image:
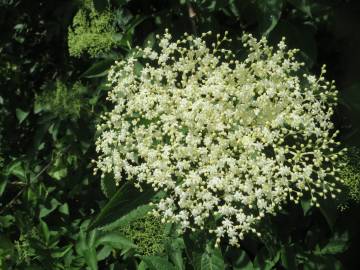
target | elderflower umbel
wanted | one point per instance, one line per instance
(227, 140)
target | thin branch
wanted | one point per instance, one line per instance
(44, 169)
(13, 200)
(9, 204)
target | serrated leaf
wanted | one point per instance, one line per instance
(86, 248)
(126, 199)
(158, 263)
(212, 259)
(175, 252)
(108, 186)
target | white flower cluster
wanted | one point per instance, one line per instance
(228, 141)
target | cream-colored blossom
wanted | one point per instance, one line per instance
(228, 141)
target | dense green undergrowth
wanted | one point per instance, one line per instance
(56, 214)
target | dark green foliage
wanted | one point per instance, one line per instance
(55, 214)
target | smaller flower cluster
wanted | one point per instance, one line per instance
(91, 32)
(350, 173)
(62, 100)
(148, 234)
(227, 141)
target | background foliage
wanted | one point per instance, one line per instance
(55, 214)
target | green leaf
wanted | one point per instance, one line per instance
(242, 262)
(45, 231)
(6, 221)
(288, 259)
(126, 199)
(108, 186)
(115, 240)
(104, 252)
(175, 252)
(21, 115)
(41, 129)
(330, 212)
(263, 260)
(135, 22)
(86, 248)
(195, 244)
(17, 169)
(3, 183)
(212, 259)
(61, 252)
(305, 205)
(177, 259)
(133, 215)
(269, 13)
(313, 262)
(150, 40)
(142, 266)
(44, 211)
(64, 209)
(337, 244)
(99, 69)
(158, 263)
(233, 6)
(58, 172)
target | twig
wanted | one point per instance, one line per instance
(13, 200)
(17, 183)
(43, 169)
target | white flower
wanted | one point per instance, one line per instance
(224, 139)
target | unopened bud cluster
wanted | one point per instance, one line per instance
(228, 141)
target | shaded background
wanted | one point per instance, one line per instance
(50, 103)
